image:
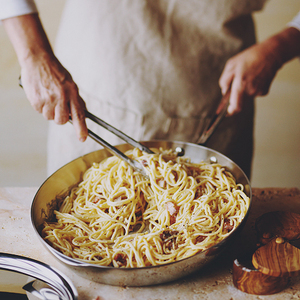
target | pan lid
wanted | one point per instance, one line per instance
(38, 280)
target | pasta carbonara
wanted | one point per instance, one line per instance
(116, 217)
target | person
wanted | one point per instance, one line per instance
(252, 71)
(149, 68)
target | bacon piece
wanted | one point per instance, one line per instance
(120, 259)
(120, 198)
(188, 171)
(161, 183)
(144, 163)
(168, 244)
(167, 233)
(138, 214)
(227, 225)
(175, 175)
(95, 200)
(168, 238)
(197, 194)
(98, 257)
(172, 208)
(200, 238)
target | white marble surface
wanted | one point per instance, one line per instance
(214, 282)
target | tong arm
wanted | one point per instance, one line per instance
(216, 120)
(118, 133)
(137, 166)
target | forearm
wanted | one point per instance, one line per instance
(284, 46)
(28, 37)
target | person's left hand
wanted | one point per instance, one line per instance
(249, 73)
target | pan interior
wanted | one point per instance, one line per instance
(59, 184)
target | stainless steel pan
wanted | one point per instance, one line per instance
(58, 185)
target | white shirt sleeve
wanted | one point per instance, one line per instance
(13, 8)
(295, 22)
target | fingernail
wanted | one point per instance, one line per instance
(230, 110)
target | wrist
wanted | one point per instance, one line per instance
(35, 55)
(285, 45)
(28, 38)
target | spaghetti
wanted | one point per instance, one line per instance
(116, 217)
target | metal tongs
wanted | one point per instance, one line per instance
(137, 166)
(216, 120)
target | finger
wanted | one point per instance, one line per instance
(48, 112)
(226, 78)
(77, 110)
(62, 112)
(48, 100)
(236, 96)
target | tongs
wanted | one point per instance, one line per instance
(216, 120)
(137, 166)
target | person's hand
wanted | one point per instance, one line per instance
(52, 92)
(48, 85)
(249, 73)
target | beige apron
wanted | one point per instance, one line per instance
(151, 68)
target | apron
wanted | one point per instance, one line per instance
(151, 68)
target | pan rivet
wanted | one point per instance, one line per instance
(179, 151)
(213, 160)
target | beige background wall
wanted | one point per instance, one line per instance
(277, 130)
(277, 133)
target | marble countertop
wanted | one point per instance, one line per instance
(212, 282)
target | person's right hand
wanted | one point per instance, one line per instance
(52, 92)
(48, 85)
